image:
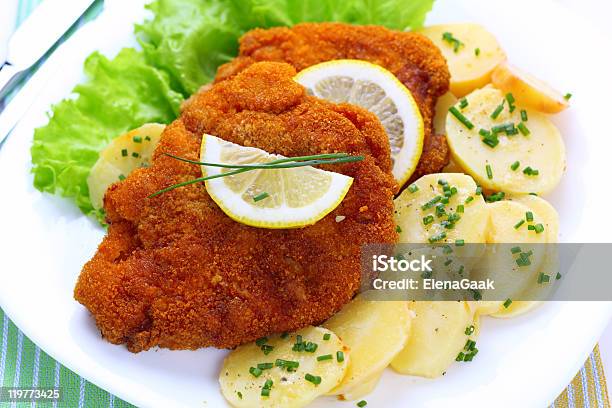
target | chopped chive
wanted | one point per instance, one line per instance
(469, 199)
(477, 295)
(469, 345)
(460, 208)
(539, 228)
(237, 392)
(442, 182)
(515, 165)
(469, 330)
(531, 227)
(518, 224)
(447, 249)
(267, 349)
(460, 356)
(477, 51)
(524, 116)
(530, 172)
(507, 303)
(496, 197)
(326, 336)
(124, 152)
(121, 177)
(284, 335)
(261, 341)
(524, 130)
(137, 139)
(463, 103)
(438, 237)
(265, 392)
(461, 118)
(567, 96)
(478, 190)
(147, 138)
(261, 196)
(459, 242)
(449, 38)
(431, 203)
(484, 133)
(428, 220)
(498, 110)
(413, 188)
(362, 403)
(511, 100)
(398, 229)
(339, 356)
(489, 172)
(529, 216)
(265, 366)
(256, 372)
(558, 276)
(515, 250)
(543, 278)
(135, 154)
(315, 379)
(324, 357)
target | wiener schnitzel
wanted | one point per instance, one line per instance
(411, 57)
(174, 271)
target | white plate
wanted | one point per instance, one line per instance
(522, 362)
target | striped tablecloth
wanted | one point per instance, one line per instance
(25, 365)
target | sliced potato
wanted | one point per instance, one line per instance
(470, 69)
(528, 90)
(123, 154)
(442, 106)
(438, 335)
(547, 215)
(289, 388)
(374, 331)
(542, 149)
(410, 213)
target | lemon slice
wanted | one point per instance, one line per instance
(281, 198)
(373, 88)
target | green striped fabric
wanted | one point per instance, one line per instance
(23, 364)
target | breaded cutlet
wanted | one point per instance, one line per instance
(174, 271)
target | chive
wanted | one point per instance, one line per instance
(511, 100)
(524, 131)
(284, 335)
(530, 172)
(496, 197)
(324, 357)
(413, 188)
(523, 261)
(237, 392)
(460, 356)
(265, 392)
(447, 249)
(310, 347)
(438, 237)
(469, 345)
(135, 154)
(477, 51)
(498, 110)
(256, 372)
(268, 384)
(489, 172)
(531, 227)
(515, 250)
(529, 216)
(460, 208)
(459, 242)
(511, 130)
(147, 138)
(261, 196)
(453, 191)
(326, 336)
(431, 203)
(567, 96)
(362, 403)
(477, 295)
(515, 165)
(463, 103)
(428, 220)
(315, 379)
(124, 152)
(261, 341)
(539, 228)
(398, 229)
(469, 199)
(339, 356)
(543, 278)
(518, 224)
(449, 38)
(121, 177)
(558, 276)
(478, 190)
(137, 139)
(469, 330)
(267, 349)
(265, 366)
(461, 118)
(507, 303)
(442, 182)
(524, 116)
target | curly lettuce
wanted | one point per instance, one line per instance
(121, 94)
(190, 38)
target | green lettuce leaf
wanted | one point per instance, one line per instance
(190, 38)
(121, 94)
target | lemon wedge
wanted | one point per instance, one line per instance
(373, 88)
(267, 198)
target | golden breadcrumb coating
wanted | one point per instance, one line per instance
(411, 57)
(174, 271)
